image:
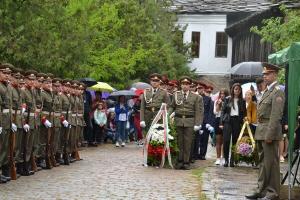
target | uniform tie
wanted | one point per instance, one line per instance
(184, 96)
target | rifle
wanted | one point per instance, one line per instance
(12, 142)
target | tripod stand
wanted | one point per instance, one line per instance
(294, 173)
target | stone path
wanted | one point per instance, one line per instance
(106, 172)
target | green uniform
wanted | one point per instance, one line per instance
(80, 120)
(57, 109)
(269, 114)
(28, 117)
(73, 123)
(151, 102)
(187, 115)
(6, 95)
(65, 135)
(39, 144)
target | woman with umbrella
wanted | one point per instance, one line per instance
(121, 110)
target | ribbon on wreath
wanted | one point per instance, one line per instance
(164, 114)
(246, 125)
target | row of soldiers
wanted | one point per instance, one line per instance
(41, 121)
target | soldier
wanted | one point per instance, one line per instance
(65, 118)
(73, 121)
(57, 112)
(28, 105)
(268, 134)
(188, 119)
(46, 119)
(81, 122)
(7, 124)
(151, 101)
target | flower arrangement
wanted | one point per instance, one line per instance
(156, 144)
(244, 151)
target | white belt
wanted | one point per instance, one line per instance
(57, 114)
(5, 111)
(18, 112)
(73, 115)
(46, 112)
(31, 114)
(80, 115)
(64, 112)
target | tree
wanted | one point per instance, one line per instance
(281, 31)
(111, 40)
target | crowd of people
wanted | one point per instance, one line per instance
(41, 121)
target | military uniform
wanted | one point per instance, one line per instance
(151, 102)
(188, 118)
(268, 134)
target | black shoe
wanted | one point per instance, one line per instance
(2, 179)
(186, 166)
(268, 198)
(202, 158)
(72, 160)
(226, 164)
(253, 196)
(179, 165)
(231, 164)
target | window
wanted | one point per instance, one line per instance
(195, 44)
(221, 44)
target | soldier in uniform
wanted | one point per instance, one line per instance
(57, 112)
(151, 101)
(268, 134)
(188, 119)
(28, 102)
(73, 121)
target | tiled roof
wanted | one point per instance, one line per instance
(220, 6)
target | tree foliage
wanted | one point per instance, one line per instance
(110, 40)
(281, 31)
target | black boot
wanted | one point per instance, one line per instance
(226, 163)
(66, 159)
(6, 172)
(2, 179)
(26, 170)
(232, 160)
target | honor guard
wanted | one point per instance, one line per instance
(188, 119)
(151, 100)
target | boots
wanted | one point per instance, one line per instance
(26, 169)
(66, 159)
(59, 159)
(48, 163)
(6, 172)
(53, 161)
(2, 179)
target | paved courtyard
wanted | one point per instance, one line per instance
(106, 172)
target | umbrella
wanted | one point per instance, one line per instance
(137, 92)
(247, 70)
(141, 85)
(127, 93)
(102, 87)
(88, 81)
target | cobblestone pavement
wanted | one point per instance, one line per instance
(106, 172)
(220, 183)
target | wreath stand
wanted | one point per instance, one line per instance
(246, 125)
(162, 113)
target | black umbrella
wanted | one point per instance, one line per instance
(248, 70)
(88, 81)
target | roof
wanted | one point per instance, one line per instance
(220, 6)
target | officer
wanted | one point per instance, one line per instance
(73, 121)
(151, 101)
(188, 119)
(268, 134)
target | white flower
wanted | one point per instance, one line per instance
(158, 133)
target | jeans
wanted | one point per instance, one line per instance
(121, 129)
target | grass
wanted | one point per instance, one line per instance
(198, 174)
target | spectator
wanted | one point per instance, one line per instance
(121, 110)
(251, 111)
(100, 122)
(261, 87)
(110, 128)
(231, 119)
(136, 119)
(219, 132)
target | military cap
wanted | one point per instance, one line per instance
(56, 81)
(21, 80)
(82, 85)
(50, 76)
(6, 68)
(155, 76)
(41, 77)
(17, 73)
(67, 82)
(185, 79)
(30, 74)
(267, 68)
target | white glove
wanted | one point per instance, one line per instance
(172, 115)
(14, 127)
(196, 128)
(207, 126)
(23, 110)
(47, 124)
(143, 124)
(0, 130)
(65, 123)
(201, 132)
(211, 129)
(26, 127)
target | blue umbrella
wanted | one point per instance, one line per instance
(127, 93)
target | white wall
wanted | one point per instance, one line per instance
(207, 25)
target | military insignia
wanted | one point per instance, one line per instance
(178, 98)
(148, 95)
